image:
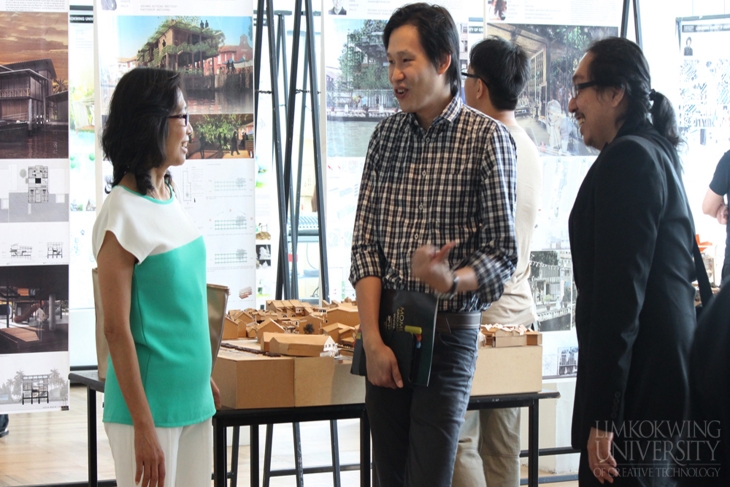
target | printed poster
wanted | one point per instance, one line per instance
(703, 117)
(34, 206)
(213, 51)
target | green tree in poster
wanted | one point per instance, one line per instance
(55, 380)
(18, 385)
(217, 130)
(169, 55)
(566, 45)
(7, 389)
(363, 62)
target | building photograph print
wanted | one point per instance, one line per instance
(34, 85)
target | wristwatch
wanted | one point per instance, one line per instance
(451, 292)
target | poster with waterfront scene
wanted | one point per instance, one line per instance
(214, 56)
(213, 53)
(359, 94)
(33, 85)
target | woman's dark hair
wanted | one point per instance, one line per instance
(135, 131)
(620, 63)
(437, 33)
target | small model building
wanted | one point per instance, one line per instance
(345, 313)
(296, 345)
(269, 326)
(505, 335)
(333, 330)
(230, 329)
(337, 320)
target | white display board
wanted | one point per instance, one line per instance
(704, 119)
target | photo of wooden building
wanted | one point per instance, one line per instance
(28, 104)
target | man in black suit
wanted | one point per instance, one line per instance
(710, 394)
(631, 238)
(4, 420)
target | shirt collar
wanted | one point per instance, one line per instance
(450, 114)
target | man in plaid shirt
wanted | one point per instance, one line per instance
(435, 214)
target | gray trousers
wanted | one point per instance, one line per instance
(489, 449)
(415, 430)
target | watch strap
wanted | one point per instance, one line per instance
(450, 294)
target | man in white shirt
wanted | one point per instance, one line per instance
(489, 442)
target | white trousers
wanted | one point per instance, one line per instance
(188, 453)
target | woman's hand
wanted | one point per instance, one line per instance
(216, 394)
(600, 460)
(149, 457)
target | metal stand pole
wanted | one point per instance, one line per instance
(319, 177)
(637, 21)
(283, 288)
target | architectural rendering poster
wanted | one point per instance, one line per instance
(358, 95)
(34, 206)
(704, 120)
(555, 36)
(32, 382)
(213, 52)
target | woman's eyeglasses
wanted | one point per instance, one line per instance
(185, 116)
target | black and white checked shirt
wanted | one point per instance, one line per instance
(455, 181)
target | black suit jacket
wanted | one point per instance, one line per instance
(631, 235)
(710, 392)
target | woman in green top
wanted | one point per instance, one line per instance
(159, 397)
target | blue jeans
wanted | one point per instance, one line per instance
(415, 431)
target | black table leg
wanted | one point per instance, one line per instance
(267, 454)
(364, 450)
(254, 455)
(335, 444)
(298, 462)
(91, 431)
(220, 469)
(533, 443)
(234, 456)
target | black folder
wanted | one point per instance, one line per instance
(414, 351)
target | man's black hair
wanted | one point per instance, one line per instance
(504, 67)
(437, 33)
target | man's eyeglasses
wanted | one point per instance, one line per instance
(185, 116)
(575, 89)
(471, 75)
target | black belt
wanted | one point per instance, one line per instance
(445, 322)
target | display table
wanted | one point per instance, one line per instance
(93, 385)
(255, 417)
